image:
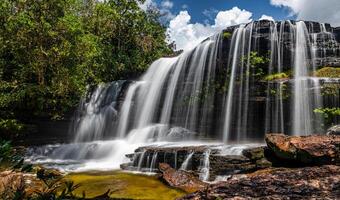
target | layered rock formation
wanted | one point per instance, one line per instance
(279, 183)
(304, 167)
(181, 179)
(305, 150)
(193, 157)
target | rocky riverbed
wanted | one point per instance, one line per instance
(305, 167)
(286, 167)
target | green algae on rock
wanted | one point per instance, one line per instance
(122, 185)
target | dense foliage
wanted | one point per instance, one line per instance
(51, 50)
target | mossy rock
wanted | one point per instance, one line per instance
(329, 72)
(254, 153)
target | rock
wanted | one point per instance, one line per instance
(254, 153)
(278, 183)
(148, 158)
(10, 182)
(263, 163)
(181, 179)
(223, 165)
(257, 156)
(334, 130)
(305, 150)
(179, 134)
(44, 173)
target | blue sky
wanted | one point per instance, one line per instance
(190, 21)
(196, 8)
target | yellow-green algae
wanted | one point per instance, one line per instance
(122, 185)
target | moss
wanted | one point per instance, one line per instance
(122, 185)
(227, 35)
(276, 76)
(330, 72)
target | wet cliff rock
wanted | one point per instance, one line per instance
(334, 130)
(279, 183)
(181, 179)
(305, 150)
(194, 159)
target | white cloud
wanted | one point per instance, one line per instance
(164, 8)
(187, 35)
(167, 4)
(232, 17)
(146, 4)
(327, 11)
(165, 11)
(266, 17)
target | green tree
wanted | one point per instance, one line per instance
(51, 50)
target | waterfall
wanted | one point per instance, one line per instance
(236, 43)
(171, 92)
(205, 166)
(181, 91)
(96, 113)
(234, 87)
(126, 109)
(185, 164)
(302, 110)
(153, 161)
(140, 161)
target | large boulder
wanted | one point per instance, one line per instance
(278, 183)
(181, 179)
(305, 150)
(334, 130)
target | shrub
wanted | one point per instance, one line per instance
(330, 72)
(227, 35)
(276, 76)
(329, 114)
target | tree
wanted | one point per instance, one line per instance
(51, 50)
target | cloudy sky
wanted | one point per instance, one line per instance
(191, 21)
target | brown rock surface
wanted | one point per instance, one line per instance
(181, 179)
(278, 183)
(10, 181)
(313, 149)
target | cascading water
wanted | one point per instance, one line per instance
(205, 166)
(185, 164)
(213, 92)
(97, 113)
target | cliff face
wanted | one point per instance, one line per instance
(325, 38)
(287, 49)
(250, 68)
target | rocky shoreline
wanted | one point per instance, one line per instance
(287, 167)
(301, 167)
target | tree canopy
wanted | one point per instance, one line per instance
(51, 50)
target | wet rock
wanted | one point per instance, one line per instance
(10, 182)
(257, 156)
(44, 173)
(181, 179)
(223, 165)
(278, 183)
(334, 130)
(305, 150)
(254, 153)
(148, 158)
(179, 133)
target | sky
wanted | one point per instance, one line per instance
(191, 21)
